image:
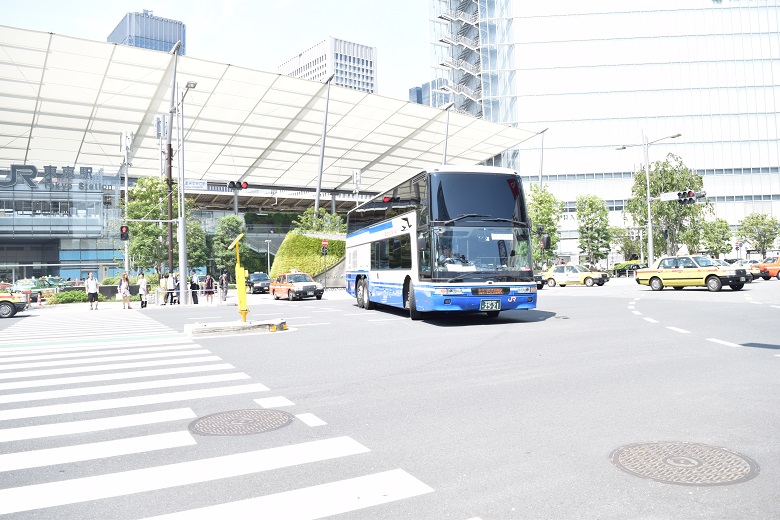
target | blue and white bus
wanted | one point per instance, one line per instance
(452, 239)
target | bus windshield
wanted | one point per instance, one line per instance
(468, 253)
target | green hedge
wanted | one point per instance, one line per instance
(71, 297)
(305, 254)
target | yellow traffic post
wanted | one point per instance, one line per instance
(240, 280)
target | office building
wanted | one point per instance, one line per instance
(147, 31)
(431, 94)
(353, 64)
(602, 74)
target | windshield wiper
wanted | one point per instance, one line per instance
(459, 217)
(513, 221)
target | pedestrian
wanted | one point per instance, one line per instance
(124, 291)
(208, 288)
(163, 289)
(92, 285)
(176, 288)
(170, 286)
(223, 285)
(143, 292)
(194, 287)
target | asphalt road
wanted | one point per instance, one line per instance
(468, 417)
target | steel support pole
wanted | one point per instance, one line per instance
(650, 251)
(322, 147)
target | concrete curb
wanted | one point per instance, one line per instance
(199, 330)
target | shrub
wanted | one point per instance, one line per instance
(71, 297)
(305, 254)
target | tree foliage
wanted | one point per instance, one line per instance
(716, 237)
(228, 229)
(759, 230)
(545, 210)
(593, 227)
(630, 248)
(319, 222)
(671, 175)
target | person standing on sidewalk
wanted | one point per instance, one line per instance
(170, 286)
(223, 285)
(124, 291)
(194, 287)
(142, 290)
(208, 289)
(91, 285)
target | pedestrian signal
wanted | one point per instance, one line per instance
(124, 232)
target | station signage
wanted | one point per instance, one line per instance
(52, 179)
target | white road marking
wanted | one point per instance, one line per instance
(111, 352)
(115, 366)
(204, 317)
(775, 306)
(309, 419)
(389, 319)
(637, 313)
(681, 331)
(755, 303)
(74, 491)
(324, 500)
(94, 425)
(37, 383)
(122, 387)
(61, 362)
(356, 314)
(651, 320)
(311, 324)
(721, 342)
(274, 402)
(94, 450)
(15, 351)
(125, 402)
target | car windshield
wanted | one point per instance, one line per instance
(258, 277)
(770, 260)
(703, 261)
(295, 278)
(582, 268)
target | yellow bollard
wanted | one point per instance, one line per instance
(241, 274)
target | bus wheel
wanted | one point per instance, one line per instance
(414, 314)
(359, 293)
(492, 314)
(367, 303)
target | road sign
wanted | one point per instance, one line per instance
(195, 185)
(324, 243)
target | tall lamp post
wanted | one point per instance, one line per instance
(169, 155)
(646, 146)
(268, 256)
(446, 108)
(322, 145)
(182, 213)
(541, 156)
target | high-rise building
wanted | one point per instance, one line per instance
(431, 94)
(150, 32)
(353, 64)
(602, 74)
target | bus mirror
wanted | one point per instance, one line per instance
(546, 242)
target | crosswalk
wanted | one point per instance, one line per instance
(98, 398)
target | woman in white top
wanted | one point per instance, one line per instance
(124, 291)
(142, 290)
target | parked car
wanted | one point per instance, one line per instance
(258, 283)
(725, 264)
(34, 289)
(295, 286)
(540, 281)
(569, 274)
(772, 266)
(11, 303)
(691, 271)
(625, 268)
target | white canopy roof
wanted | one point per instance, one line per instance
(64, 101)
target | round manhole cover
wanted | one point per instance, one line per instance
(684, 463)
(240, 422)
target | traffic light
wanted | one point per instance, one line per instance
(686, 197)
(238, 185)
(124, 232)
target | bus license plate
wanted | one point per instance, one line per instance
(490, 305)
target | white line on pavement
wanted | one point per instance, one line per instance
(721, 342)
(114, 366)
(775, 306)
(15, 351)
(389, 319)
(120, 350)
(94, 425)
(74, 491)
(274, 402)
(755, 303)
(309, 419)
(61, 362)
(651, 320)
(637, 313)
(204, 317)
(125, 402)
(324, 500)
(311, 324)
(681, 331)
(94, 450)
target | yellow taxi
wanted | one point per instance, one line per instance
(295, 285)
(11, 303)
(35, 289)
(571, 274)
(691, 271)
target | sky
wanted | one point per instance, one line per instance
(258, 34)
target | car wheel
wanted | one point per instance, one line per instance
(656, 284)
(737, 286)
(677, 288)
(290, 295)
(600, 284)
(714, 284)
(411, 304)
(7, 310)
(562, 285)
(778, 275)
(367, 303)
(766, 277)
(589, 281)
(551, 282)
(276, 296)
(319, 296)
(539, 286)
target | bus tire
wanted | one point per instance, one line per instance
(367, 303)
(414, 314)
(359, 292)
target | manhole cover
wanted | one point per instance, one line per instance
(240, 422)
(684, 463)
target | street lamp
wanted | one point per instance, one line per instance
(446, 108)
(322, 145)
(541, 156)
(169, 158)
(646, 146)
(268, 256)
(183, 295)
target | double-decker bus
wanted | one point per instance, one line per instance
(452, 239)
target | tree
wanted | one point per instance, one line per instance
(545, 210)
(630, 248)
(319, 222)
(671, 175)
(759, 230)
(228, 229)
(716, 237)
(197, 253)
(593, 227)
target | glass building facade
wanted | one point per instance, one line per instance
(147, 31)
(431, 94)
(599, 75)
